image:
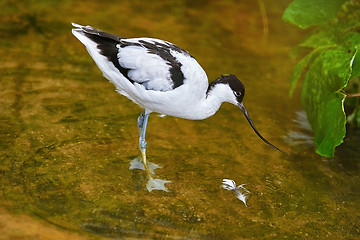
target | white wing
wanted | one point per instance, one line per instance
(150, 62)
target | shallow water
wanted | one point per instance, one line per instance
(67, 138)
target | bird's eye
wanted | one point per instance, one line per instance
(237, 94)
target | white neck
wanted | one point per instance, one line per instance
(209, 103)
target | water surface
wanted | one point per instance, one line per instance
(66, 136)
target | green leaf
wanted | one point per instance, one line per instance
(297, 72)
(327, 38)
(320, 38)
(306, 13)
(343, 32)
(355, 65)
(328, 74)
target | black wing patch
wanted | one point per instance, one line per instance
(107, 46)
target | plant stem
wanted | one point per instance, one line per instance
(264, 19)
(351, 95)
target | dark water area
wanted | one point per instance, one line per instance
(67, 138)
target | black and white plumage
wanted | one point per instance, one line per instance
(160, 77)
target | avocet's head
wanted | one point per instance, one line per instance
(234, 92)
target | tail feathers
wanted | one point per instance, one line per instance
(98, 41)
(90, 31)
(77, 25)
(102, 47)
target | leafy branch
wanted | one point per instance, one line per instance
(331, 61)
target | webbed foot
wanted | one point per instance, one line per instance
(136, 163)
(156, 184)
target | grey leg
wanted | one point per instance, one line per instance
(152, 184)
(142, 124)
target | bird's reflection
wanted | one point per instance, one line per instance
(153, 183)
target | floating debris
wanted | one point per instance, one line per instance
(240, 191)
